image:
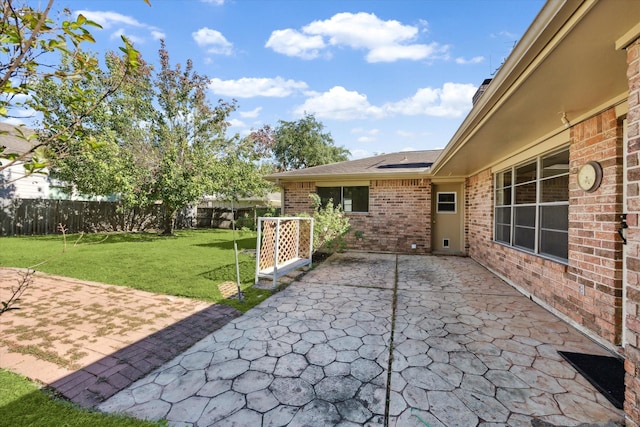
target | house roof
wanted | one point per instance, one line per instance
(402, 164)
(9, 138)
(570, 60)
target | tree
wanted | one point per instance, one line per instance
(30, 43)
(189, 135)
(303, 144)
(158, 139)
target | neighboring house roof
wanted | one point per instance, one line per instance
(10, 138)
(269, 199)
(402, 164)
(571, 60)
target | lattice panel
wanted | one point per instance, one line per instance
(304, 245)
(290, 238)
(268, 244)
(288, 245)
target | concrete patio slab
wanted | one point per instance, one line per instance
(379, 339)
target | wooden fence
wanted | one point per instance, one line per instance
(38, 216)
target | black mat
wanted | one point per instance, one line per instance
(604, 372)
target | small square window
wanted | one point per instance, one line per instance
(446, 203)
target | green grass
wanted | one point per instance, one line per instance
(190, 264)
(23, 404)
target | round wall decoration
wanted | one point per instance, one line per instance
(590, 176)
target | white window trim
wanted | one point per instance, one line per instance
(538, 204)
(455, 202)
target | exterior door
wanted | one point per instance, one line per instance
(447, 218)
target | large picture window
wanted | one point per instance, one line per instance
(532, 205)
(352, 199)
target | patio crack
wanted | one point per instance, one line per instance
(394, 305)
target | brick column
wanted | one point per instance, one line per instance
(632, 255)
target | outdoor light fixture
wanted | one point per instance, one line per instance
(564, 120)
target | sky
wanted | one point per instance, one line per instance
(382, 76)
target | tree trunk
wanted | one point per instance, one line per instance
(170, 215)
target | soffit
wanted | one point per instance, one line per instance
(571, 66)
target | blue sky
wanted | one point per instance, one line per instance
(382, 76)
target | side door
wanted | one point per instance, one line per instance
(447, 218)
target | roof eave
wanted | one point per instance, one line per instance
(348, 177)
(528, 48)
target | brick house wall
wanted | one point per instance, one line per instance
(399, 214)
(632, 252)
(595, 250)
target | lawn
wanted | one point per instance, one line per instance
(190, 264)
(23, 404)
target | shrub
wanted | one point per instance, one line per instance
(330, 224)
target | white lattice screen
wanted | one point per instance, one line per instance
(284, 244)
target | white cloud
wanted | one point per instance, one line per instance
(121, 32)
(292, 43)
(474, 60)
(393, 53)
(340, 104)
(452, 100)
(385, 41)
(213, 41)
(365, 139)
(158, 35)
(237, 123)
(216, 2)
(248, 87)
(505, 34)
(405, 134)
(409, 149)
(251, 114)
(359, 154)
(110, 20)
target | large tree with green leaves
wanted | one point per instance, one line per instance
(30, 44)
(158, 139)
(303, 143)
(188, 134)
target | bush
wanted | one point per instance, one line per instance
(330, 224)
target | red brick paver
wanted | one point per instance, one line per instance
(89, 340)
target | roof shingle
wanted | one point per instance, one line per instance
(401, 163)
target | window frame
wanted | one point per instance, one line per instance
(342, 192)
(454, 203)
(513, 198)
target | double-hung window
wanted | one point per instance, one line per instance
(351, 199)
(532, 205)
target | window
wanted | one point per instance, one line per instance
(352, 199)
(446, 203)
(532, 205)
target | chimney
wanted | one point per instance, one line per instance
(483, 87)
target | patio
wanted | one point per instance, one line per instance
(467, 350)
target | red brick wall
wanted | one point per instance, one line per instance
(595, 250)
(296, 197)
(399, 215)
(594, 247)
(632, 255)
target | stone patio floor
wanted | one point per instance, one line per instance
(379, 340)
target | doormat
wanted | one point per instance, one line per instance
(605, 373)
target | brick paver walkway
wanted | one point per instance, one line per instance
(89, 340)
